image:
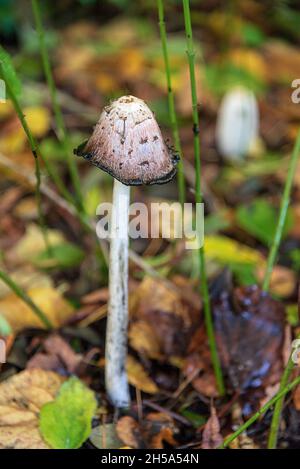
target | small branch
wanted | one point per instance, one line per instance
(198, 195)
(172, 111)
(21, 294)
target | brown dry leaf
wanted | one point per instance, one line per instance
(283, 280)
(128, 431)
(21, 398)
(20, 316)
(212, 437)
(198, 369)
(159, 427)
(58, 355)
(138, 377)
(249, 326)
(161, 322)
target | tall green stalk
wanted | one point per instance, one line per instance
(171, 101)
(61, 129)
(280, 395)
(198, 196)
(285, 200)
(273, 435)
(23, 295)
(36, 159)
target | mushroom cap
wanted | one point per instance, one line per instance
(127, 143)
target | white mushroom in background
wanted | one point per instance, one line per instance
(237, 124)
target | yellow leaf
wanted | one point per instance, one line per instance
(38, 119)
(21, 398)
(33, 243)
(20, 316)
(249, 60)
(138, 377)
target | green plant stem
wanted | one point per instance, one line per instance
(61, 129)
(171, 102)
(283, 212)
(280, 395)
(21, 294)
(36, 159)
(273, 435)
(204, 283)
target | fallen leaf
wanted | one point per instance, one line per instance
(66, 422)
(138, 377)
(32, 244)
(21, 398)
(249, 327)
(157, 429)
(105, 437)
(59, 356)
(282, 282)
(161, 321)
(128, 431)
(211, 437)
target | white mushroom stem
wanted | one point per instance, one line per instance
(117, 320)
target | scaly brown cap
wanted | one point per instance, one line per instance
(127, 143)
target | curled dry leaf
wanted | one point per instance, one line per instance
(250, 333)
(161, 323)
(58, 356)
(157, 429)
(211, 437)
(138, 377)
(128, 431)
(21, 398)
(20, 316)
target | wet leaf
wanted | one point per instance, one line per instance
(250, 332)
(65, 423)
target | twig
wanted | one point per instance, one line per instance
(21, 294)
(260, 412)
(61, 129)
(172, 111)
(198, 197)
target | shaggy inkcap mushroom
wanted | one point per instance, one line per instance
(127, 143)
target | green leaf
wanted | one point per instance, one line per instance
(8, 73)
(65, 423)
(196, 419)
(259, 219)
(65, 255)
